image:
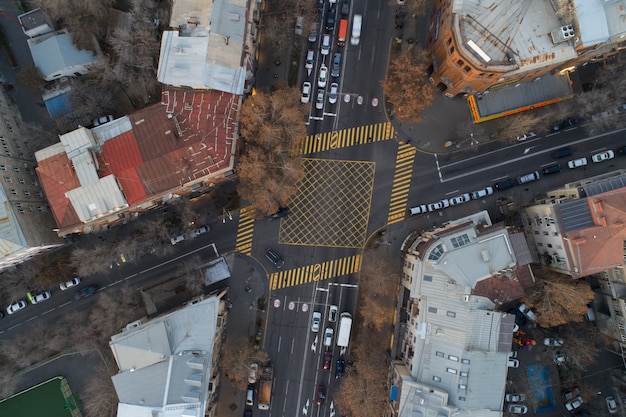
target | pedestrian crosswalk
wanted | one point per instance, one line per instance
(401, 183)
(346, 137)
(245, 230)
(316, 272)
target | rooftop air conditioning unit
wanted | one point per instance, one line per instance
(563, 33)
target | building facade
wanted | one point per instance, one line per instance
(477, 46)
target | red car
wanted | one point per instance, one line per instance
(321, 395)
(328, 357)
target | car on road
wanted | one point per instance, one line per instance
(330, 19)
(332, 95)
(460, 199)
(328, 357)
(508, 183)
(320, 397)
(86, 292)
(35, 298)
(17, 306)
(69, 284)
(341, 365)
(315, 323)
(553, 341)
(323, 76)
(483, 192)
(530, 177)
(562, 152)
(319, 101)
(439, 205)
(551, 169)
(574, 404)
(175, 240)
(325, 48)
(253, 373)
(328, 337)
(102, 120)
(513, 363)
(310, 58)
(576, 163)
(611, 405)
(517, 409)
(335, 68)
(572, 121)
(345, 9)
(357, 22)
(515, 398)
(603, 156)
(621, 150)
(200, 231)
(274, 257)
(313, 35)
(332, 313)
(306, 92)
(421, 209)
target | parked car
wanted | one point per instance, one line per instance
(513, 363)
(323, 76)
(530, 177)
(341, 365)
(526, 136)
(483, 192)
(319, 101)
(460, 199)
(421, 209)
(439, 205)
(315, 323)
(328, 357)
(503, 185)
(527, 312)
(576, 163)
(274, 257)
(515, 398)
(517, 409)
(572, 121)
(253, 373)
(332, 314)
(574, 404)
(306, 92)
(551, 169)
(69, 284)
(553, 341)
(35, 298)
(102, 120)
(611, 405)
(200, 231)
(603, 156)
(335, 69)
(310, 58)
(320, 397)
(325, 48)
(559, 358)
(17, 306)
(175, 240)
(333, 93)
(513, 354)
(330, 19)
(621, 150)
(313, 35)
(86, 292)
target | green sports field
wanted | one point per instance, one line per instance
(52, 398)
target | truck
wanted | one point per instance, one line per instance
(265, 387)
(343, 32)
(345, 324)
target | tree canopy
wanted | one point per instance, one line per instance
(272, 126)
(407, 86)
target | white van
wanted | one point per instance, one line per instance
(356, 29)
(533, 176)
(250, 395)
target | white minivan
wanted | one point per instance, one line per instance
(356, 29)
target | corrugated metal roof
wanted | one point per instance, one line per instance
(520, 248)
(574, 215)
(54, 52)
(96, 199)
(600, 187)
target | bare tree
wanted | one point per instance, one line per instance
(30, 77)
(379, 281)
(416, 8)
(577, 347)
(510, 127)
(407, 86)
(53, 266)
(98, 396)
(237, 357)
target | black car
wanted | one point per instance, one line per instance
(341, 365)
(562, 152)
(274, 257)
(345, 9)
(335, 69)
(280, 213)
(330, 20)
(503, 185)
(572, 121)
(552, 169)
(621, 150)
(86, 292)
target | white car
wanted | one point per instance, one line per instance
(525, 136)
(513, 354)
(253, 372)
(553, 341)
(328, 337)
(317, 319)
(574, 404)
(319, 101)
(37, 298)
(69, 284)
(513, 363)
(518, 409)
(17, 306)
(177, 239)
(200, 231)
(421, 209)
(515, 398)
(332, 95)
(483, 192)
(460, 199)
(325, 44)
(603, 156)
(438, 205)
(527, 312)
(306, 92)
(323, 77)
(102, 120)
(332, 313)
(576, 163)
(611, 405)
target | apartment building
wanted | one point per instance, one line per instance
(477, 46)
(454, 341)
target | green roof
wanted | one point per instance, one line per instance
(52, 398)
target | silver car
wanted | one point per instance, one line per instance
(17, 306)
(319, 102)
(439, 205)
(460, 199)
